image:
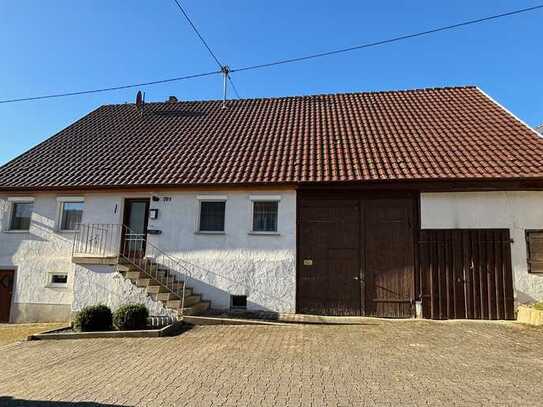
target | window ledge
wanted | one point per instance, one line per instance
(61, 286)
(66, 231)
(204, 232)
(264, 233)
(16, 231)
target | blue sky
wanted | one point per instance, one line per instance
(70, 46)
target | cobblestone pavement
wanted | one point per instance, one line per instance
(378, 363)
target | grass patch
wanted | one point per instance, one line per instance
(10, 333)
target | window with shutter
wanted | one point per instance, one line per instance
(534, 246)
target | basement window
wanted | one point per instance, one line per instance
(58, 280)
(238, 301)
(534, 247)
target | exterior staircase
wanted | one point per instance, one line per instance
(161, 284)
(162, 276)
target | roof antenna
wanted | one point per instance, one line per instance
(140, 102)
(226, 72)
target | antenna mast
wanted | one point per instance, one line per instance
(225, 69)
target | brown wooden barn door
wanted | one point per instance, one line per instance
(329, 258)
(6, 291)
(389, 270)
(466, 273)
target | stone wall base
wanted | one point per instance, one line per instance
(27, 312)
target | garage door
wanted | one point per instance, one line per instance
(466, 273)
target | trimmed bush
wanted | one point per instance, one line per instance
(131, 316)
(94, 318)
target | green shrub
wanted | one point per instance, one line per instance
(539, 306)
(94, 318)
(131, 316)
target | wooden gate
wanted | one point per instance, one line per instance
(466, 273)
(329, 258)
(390, 265)
(356, 254)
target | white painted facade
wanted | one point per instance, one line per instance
(236, 262)
(239, 262)
(516, 211)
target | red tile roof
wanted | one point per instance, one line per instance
(426, 134)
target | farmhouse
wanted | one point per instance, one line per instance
(423, 202)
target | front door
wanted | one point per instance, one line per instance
(389, 273)
(136, 215)
(6, 291)
(329, 258)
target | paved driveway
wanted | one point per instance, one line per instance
(384, 363)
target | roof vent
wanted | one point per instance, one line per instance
(172, 99)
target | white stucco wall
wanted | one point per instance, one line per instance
(34, 254)
(263, 267)
(515, 211)
(95, 284)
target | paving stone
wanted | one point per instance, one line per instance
(383, 363)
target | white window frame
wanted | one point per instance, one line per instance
(50, 283)
(11, 207)
(211, 198)
(61, 200)
(263, 198)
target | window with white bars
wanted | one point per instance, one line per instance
(212, 216)
(265, 216)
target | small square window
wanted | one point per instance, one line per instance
(21, 214)
(265, 216)
(58, 279)
(238, 301)
(71, 214)
(212, 216)
(534, 246)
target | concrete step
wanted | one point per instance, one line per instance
(164, 296)
(196, 309)
(192, 299)
(123, 268)
(133, 275)
(155, 289)
(173, 304)
(143, 282)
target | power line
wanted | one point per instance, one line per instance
(383, 42)
(198, 33)
(234, 87)
(134, 85)
(279, 62)
(221, 66)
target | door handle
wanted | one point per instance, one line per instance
(356, 278)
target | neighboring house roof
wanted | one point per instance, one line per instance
(539, 129)
(427, 134)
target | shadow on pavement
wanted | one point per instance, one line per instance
(14, 402)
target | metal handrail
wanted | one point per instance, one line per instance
(139, 252)
(96, 240)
